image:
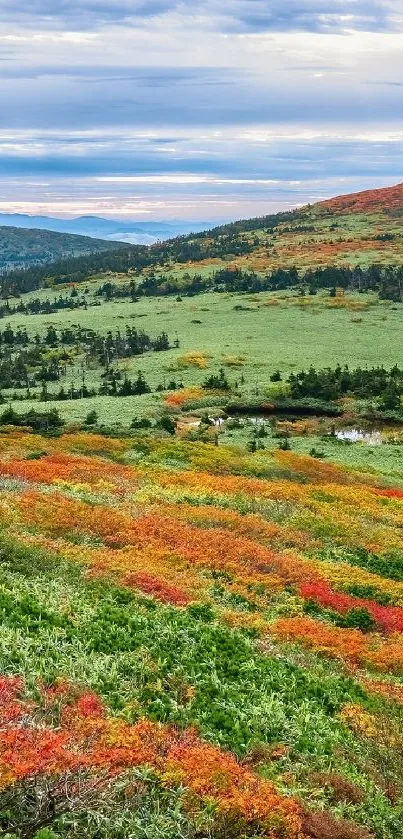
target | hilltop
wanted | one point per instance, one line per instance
(387, 200)
(359, 229)
(21, 247)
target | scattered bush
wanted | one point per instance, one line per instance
(217, 381)
(320, 824)
(166, 423)
(91, 418)
(339, 788)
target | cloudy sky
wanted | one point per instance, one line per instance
(201, 109)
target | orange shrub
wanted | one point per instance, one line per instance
(180, 397)
(86, 739)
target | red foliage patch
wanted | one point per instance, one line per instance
(388, 618)
(85, 740)
(157, 588)
(372, 200)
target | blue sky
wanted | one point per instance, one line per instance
(201, 110)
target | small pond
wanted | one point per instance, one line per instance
(357, 435)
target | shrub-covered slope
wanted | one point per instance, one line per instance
(197, 642)
(364, 230)
(360, 229)
(353, 241)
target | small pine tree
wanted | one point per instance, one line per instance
(140, 386)
(285, 444)
(10, 417)
(126, 388)
(91, 418)
(216, 381)
(166, 423)
(390, 399)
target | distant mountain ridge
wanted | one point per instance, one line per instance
(131, 232)
(25, 247)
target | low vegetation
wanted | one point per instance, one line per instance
(194, 644)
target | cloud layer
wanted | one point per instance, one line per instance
(209, 108)
(243, 15)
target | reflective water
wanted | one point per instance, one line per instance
(357, 435)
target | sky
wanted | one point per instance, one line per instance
(201, 110)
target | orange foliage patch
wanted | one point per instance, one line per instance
(345, 644)
(348, 645)
(87, 739)
(180, 397)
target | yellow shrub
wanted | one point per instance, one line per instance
(195, 358)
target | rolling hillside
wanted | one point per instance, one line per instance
(25, 247)
(359, 229)
(363, 231)
(201, 546)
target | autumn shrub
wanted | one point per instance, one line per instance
(86, 759)
(339, 788)
(179, 398)
(320, 824)
(194, 358)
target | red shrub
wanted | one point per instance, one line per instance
(320, 824)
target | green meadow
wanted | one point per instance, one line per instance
(249, 336)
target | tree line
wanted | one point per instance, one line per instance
(363, 383)
(38, 306)
(27, 362)
(386, 280)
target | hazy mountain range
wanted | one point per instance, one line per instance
(133, 232)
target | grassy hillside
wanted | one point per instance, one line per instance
(250, 336)
(25, 247)
(363, 231)
(351, 230)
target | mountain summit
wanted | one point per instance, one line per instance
(385, 200)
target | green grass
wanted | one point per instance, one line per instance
(288, 336)
(384, 459)
(281, 336)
